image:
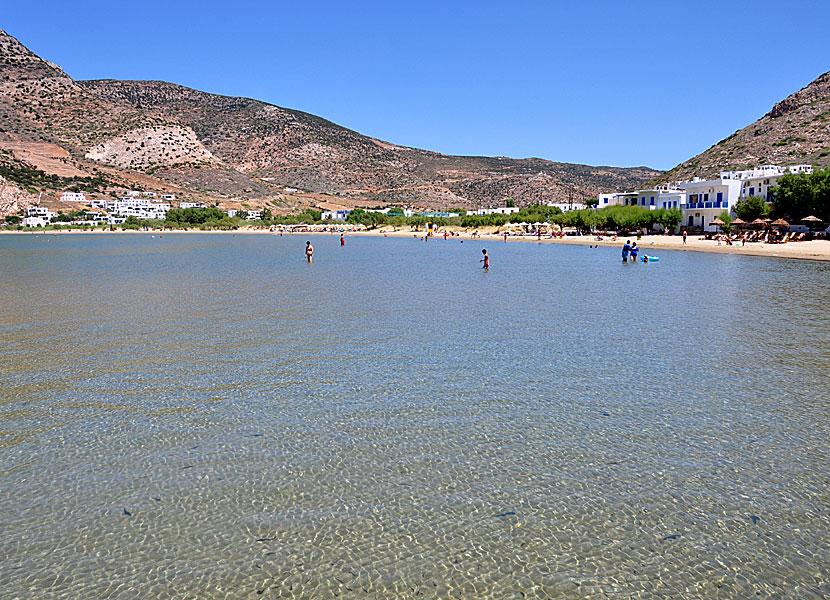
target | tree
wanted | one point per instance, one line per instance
(751, 208)
(266, 214)
(13, 219)
(727, 220)
(591, 202)
(802, 195)
(510, 203)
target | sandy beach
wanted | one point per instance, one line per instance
(652, 245)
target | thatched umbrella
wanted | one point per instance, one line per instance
(717, 221)
(780, 223)
(759, 223)
(738, 222)
(812, 222)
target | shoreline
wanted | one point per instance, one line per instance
(817, 250)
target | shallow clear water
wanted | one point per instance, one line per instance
(208, 416)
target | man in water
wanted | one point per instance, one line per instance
(342, 240)
(309, 252)
(485, 260)
(626, 249)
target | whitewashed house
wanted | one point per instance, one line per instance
(612, 199)
(706, 199)
(335, 215)
(758, 181)
(73, 197)
(567, 206)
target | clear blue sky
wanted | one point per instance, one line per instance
(602, 83)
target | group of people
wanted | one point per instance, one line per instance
(630, 251)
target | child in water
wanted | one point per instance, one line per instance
(485, 260)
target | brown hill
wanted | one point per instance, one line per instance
(217, 147)
(795, 131)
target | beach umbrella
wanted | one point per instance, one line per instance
(717, 221)
(780, 223)
(738, 222)
(812, 222)
(759, 223)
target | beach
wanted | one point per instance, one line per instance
(649, 244)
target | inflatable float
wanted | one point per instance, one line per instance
(647, 258)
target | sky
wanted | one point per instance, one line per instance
(600, 83)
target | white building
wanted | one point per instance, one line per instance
(190, 204)
(605, 200)
(335, 215)
(566, 206)
(254, 215)
(503, 210)
(41, 212)
(38, 216)
(706, 199)
(652, 198)
(168, 196)
(73, 197)
(140, 208)
(757, 182)
(97, 203)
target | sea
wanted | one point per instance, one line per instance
(210, 416)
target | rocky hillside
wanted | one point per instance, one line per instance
(296, 149)
(795, 131)
(218, 148)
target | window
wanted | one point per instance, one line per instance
(652, 201)
(752, 191)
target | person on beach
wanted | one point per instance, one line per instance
(485, 260)
(634, 251)
(626, 249)
(342, 240)
(684, 237)
(309, 252)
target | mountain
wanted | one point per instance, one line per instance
(113, 135)
(795, 131)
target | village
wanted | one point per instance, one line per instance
(700, 201)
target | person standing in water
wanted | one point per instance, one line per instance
(309, 252)
(342, 239)
(634, 251)
(485, 260)
(626, 249)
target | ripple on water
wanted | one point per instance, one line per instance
(221, 420)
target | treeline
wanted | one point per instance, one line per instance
(802, 195)
(795, 197)
(612, 217)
